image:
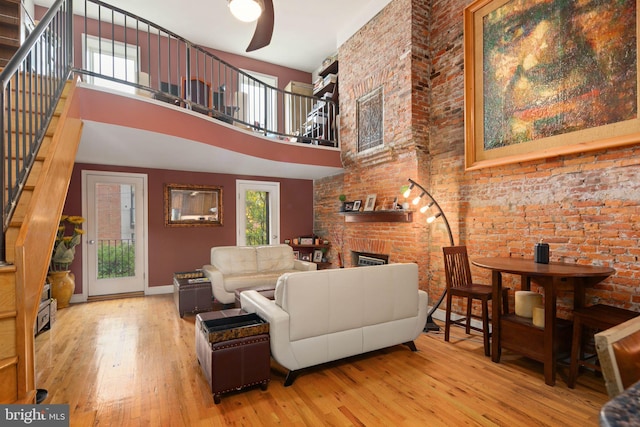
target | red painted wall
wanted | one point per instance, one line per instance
(174, 249)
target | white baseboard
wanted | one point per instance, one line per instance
(152, 290)
(158, 290)
(440, 314)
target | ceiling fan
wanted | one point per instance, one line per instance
(250, 10)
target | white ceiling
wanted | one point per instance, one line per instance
(305, 32)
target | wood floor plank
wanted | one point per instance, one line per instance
(132, 362)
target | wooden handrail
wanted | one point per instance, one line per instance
(37, 235)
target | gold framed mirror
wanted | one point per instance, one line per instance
(192, 205)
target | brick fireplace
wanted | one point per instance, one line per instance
(366, 251)
(400, 70)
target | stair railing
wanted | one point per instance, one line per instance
(32, 83)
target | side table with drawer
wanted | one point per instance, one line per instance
(233, 350)
(192, 292)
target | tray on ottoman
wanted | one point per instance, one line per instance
(229, 328)
(196, 274)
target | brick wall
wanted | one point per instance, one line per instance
(587, 206)
(380, 54)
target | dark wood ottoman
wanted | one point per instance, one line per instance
(233, 350)
(192, 292)
(266, 291)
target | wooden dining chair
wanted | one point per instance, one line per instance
(460, 284)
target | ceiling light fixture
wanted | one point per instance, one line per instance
(245, 10)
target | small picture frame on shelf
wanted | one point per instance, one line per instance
(317, 255)
(348, 206)
(370, 203)
(296, 254)
(306, 240)
(356, 205)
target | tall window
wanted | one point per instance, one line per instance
(112, 59)
(259, 105)
(257, 213)
(257, 226)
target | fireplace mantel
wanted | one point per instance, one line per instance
(379, 216)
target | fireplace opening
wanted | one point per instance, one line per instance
(363, 259)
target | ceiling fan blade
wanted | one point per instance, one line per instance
(264, 28)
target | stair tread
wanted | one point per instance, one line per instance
(9, 41)
(9, 20)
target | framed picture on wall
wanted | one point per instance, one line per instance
(370, 203)
(557, 85)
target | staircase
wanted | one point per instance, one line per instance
(10, 12)
(29, 240)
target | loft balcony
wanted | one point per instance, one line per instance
(151, 98)
(140, 131)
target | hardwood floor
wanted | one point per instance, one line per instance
(132, 362)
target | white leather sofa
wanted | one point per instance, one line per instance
(326, 315)
(234, 267)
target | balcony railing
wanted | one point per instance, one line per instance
(116, 258)
(122, 48)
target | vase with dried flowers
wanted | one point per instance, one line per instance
(64, 250)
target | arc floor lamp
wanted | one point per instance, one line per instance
(428, 202)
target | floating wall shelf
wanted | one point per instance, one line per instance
(379, 216)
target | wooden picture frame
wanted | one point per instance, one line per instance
(317, 255)
(187, 205)
(528, 96)
(348, 206)
(370, 203)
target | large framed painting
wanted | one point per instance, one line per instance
(545, 78)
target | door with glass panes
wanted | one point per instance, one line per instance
(115, 256)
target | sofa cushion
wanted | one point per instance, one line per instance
(234, 259)
(345, 299)
(274, 258)
(236, 281)
(384, 303)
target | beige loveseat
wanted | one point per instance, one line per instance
(326, 315)
(234, 267)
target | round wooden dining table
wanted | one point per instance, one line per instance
(519, 334)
